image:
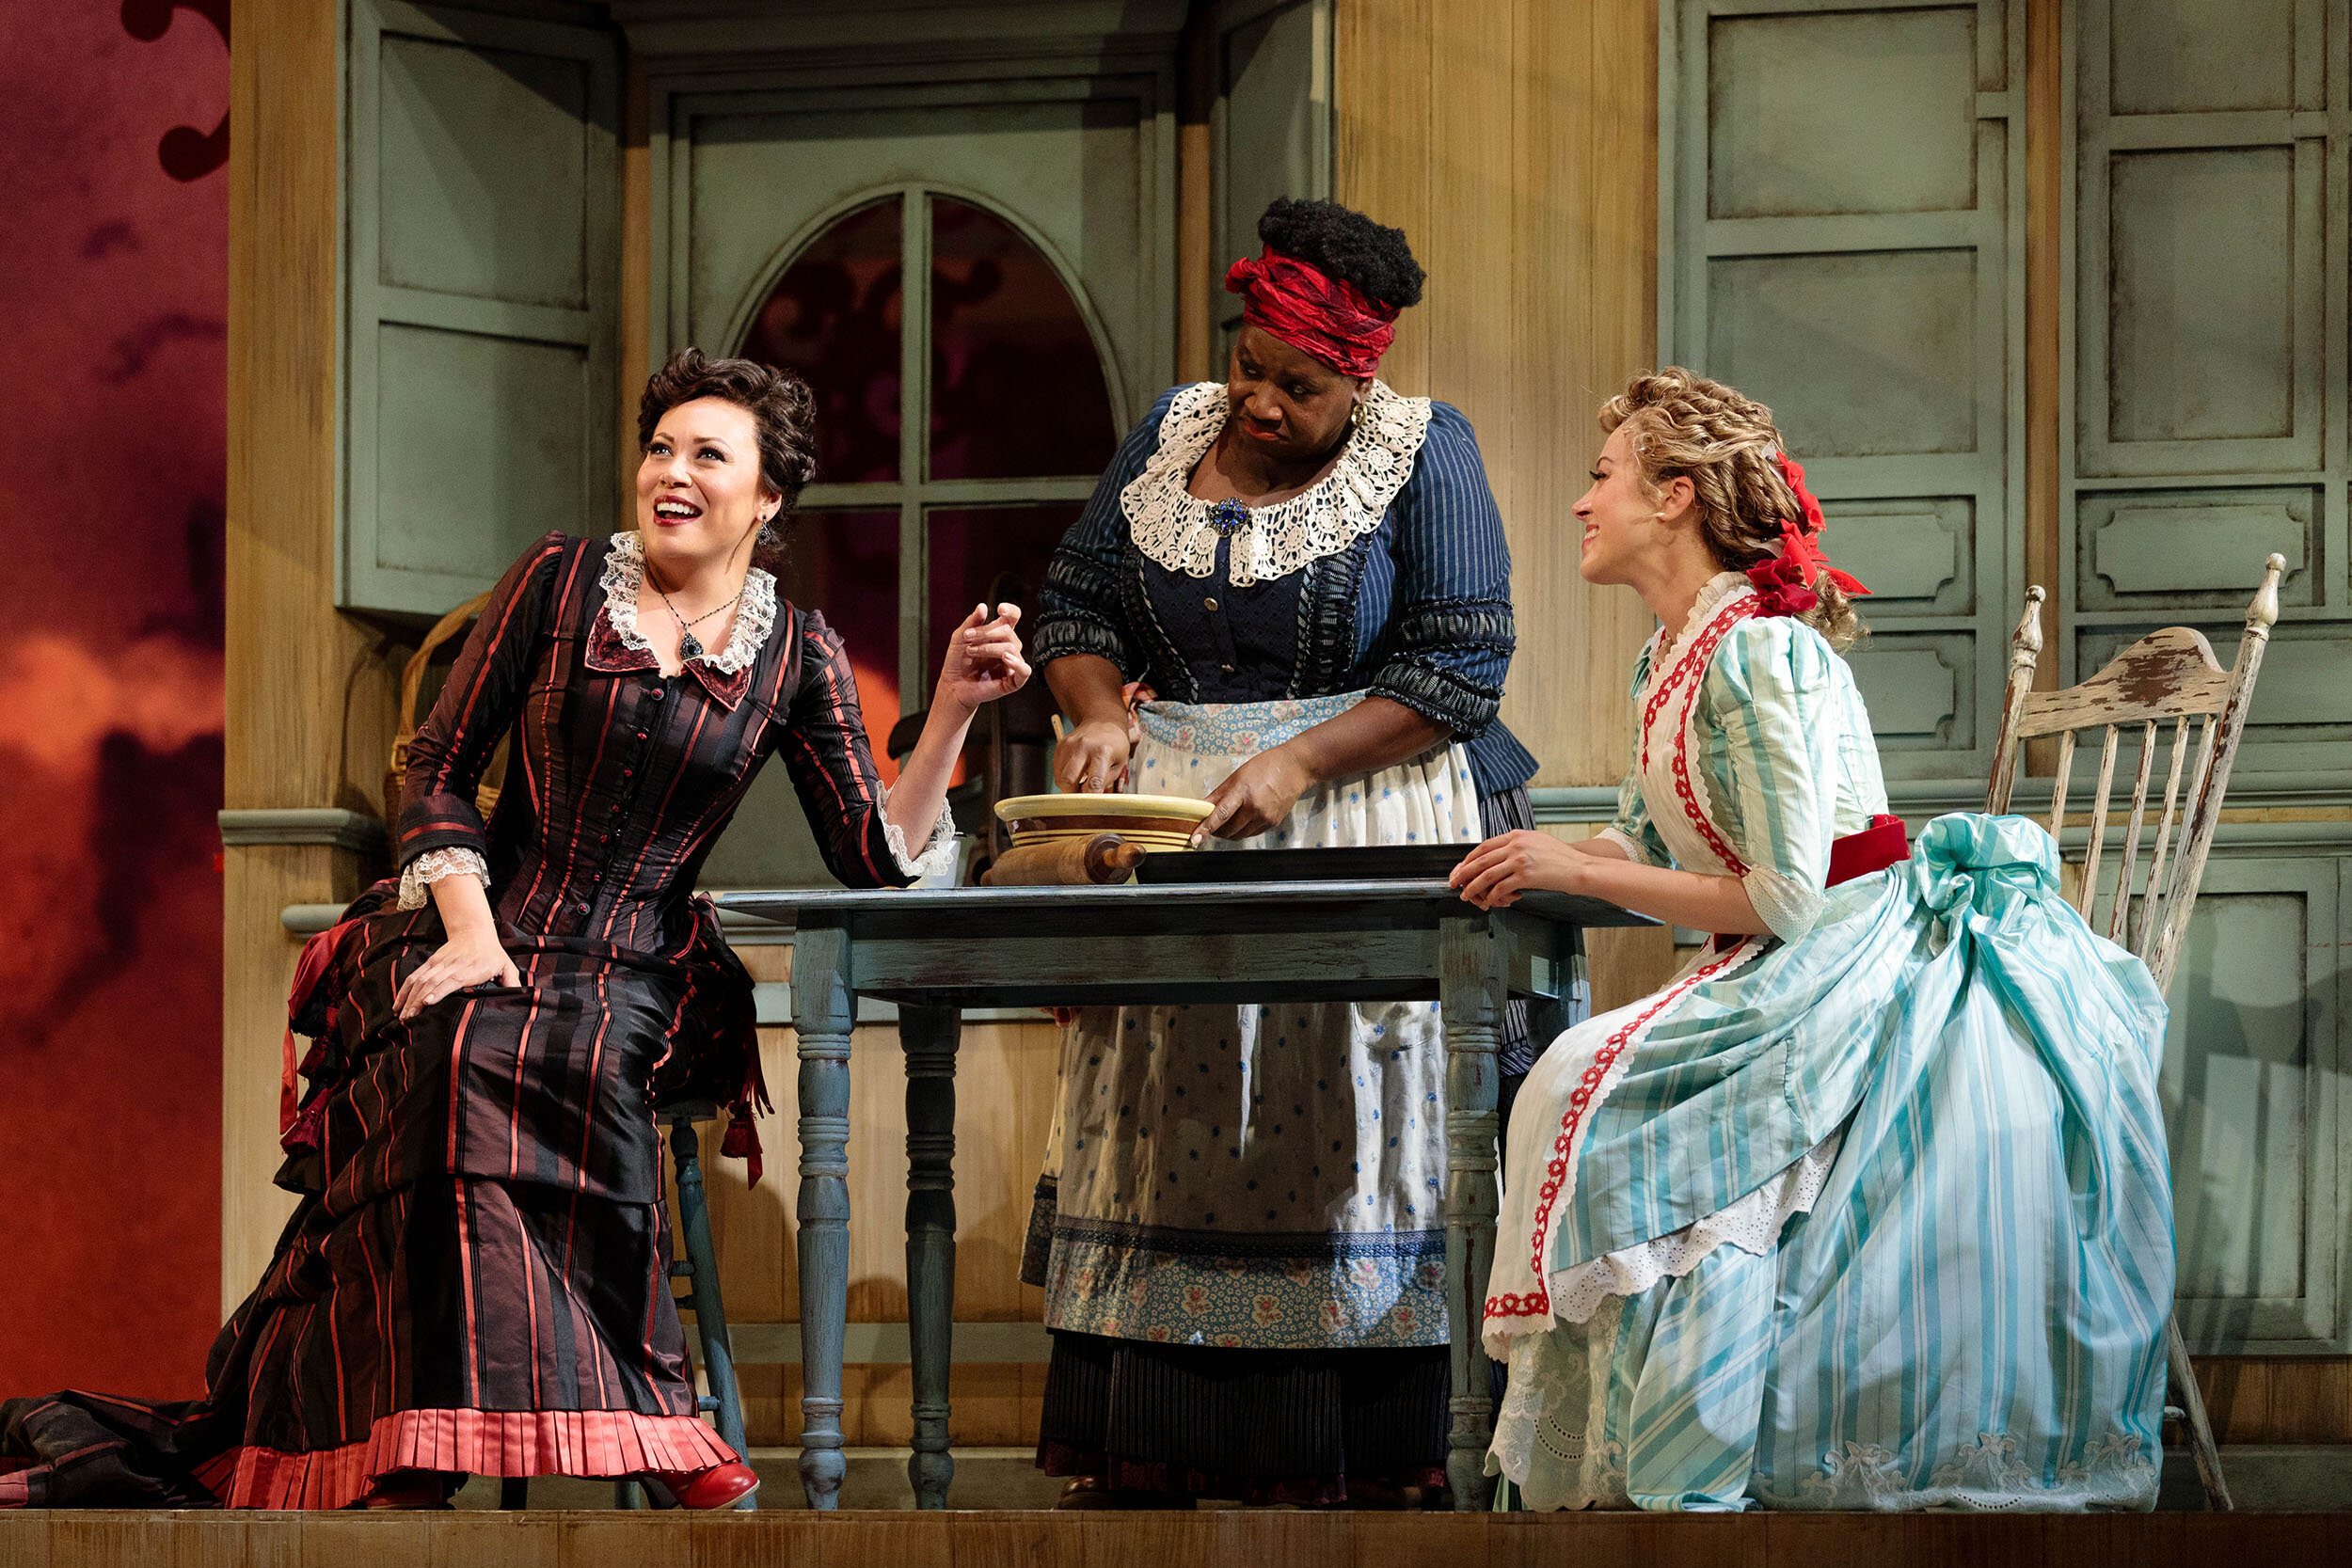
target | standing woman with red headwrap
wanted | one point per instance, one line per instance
(1241, 1232)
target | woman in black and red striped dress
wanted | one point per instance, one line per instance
(476, 1280)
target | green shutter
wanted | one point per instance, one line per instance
(1841, 236)
(2208, 380)
(481, 295)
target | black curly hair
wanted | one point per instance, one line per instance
(1344, 242)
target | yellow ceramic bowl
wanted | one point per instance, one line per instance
(1159, 823)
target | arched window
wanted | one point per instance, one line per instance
(959, 432)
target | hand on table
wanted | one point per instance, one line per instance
(1498, 871)
(1258, 796)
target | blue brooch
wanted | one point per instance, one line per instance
(1229, 518)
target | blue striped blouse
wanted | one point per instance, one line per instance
(1418, 611)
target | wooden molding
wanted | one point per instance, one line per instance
(723, 32)
(330, 825)
(2316, 791)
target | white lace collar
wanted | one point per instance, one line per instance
(1172, 526)
(1717, 591)
(755, 618)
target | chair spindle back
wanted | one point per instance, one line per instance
(2148, 699)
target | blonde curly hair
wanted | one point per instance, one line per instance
(1684, 426)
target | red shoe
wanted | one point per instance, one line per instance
(716, 1487)
(410, 1489)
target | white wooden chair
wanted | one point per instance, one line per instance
(2147, 699)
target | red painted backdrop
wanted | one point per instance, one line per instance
(113, 283)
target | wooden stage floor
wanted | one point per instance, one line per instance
(1224, 1539)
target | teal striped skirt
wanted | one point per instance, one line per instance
(1876, 1219)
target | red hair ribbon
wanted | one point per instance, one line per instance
(1785, 581)
(1312, 312)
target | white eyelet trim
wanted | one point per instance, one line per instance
(430, 867)
(1752, 1223)
(1715, 592)
(1172, 526)
(624, 575)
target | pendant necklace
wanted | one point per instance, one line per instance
(690, 647)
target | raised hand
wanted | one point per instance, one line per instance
(983, 660)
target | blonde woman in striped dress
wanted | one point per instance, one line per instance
(1869, 1207)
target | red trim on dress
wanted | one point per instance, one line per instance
(472, 1442)
(1538, 1301)
(1689, 667)
(1701, 652)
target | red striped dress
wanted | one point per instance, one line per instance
(476, 1279)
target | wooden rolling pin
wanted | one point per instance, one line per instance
(1072, 862)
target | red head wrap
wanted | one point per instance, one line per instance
(1312, 312)
(1786, 580)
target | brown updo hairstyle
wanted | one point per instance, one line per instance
(783, 411)
(1684, 426)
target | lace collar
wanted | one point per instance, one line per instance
(625, 575)
(616, 644)
(1718, 591)
(1172, 526)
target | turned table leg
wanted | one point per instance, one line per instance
(823, 1010)
(1470, 996)
(928, 1036)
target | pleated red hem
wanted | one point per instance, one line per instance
(471, 1442)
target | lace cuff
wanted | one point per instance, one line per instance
(433, 864)
(938, 855)
(1787, 904)
(1623, 843)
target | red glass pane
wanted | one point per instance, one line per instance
(834, 317)
(846, 564)
(1017, 389)
(970, 547)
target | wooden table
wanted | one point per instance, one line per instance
(934, 951)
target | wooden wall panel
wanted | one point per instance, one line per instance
(1515, 143)
(2207, 350)
(1382, 93)
(480, 285)
(1846, 227)
(2253, 1398)
(309, 697)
